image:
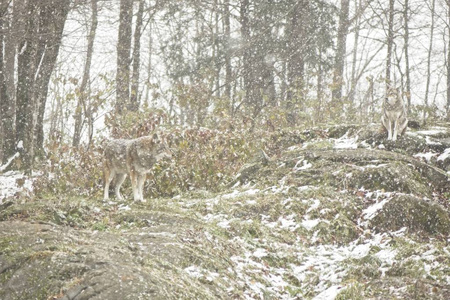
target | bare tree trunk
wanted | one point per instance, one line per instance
(149, 66)
(297, 45)
(83, 94)
(390, 42)
(448, 60)
(123, 56)
(406, 38)
(8, 100)
(353, 78)
(25, 101)
(52, 17)
(430, 49)
(228, 70)
(4, 101)
(245, 34)
(134, 97)
(338, 76)
(43, 24)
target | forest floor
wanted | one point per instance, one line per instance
(344, 215)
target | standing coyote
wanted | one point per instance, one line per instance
(135, 157)
(394, 114)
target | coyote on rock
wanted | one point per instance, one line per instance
(394, 114)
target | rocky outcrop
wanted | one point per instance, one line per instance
(336, 209)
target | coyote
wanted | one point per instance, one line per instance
(394, 114)
(134, 157)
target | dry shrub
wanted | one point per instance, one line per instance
(69, 170)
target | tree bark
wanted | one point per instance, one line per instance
(297, 45)
(26, 67)
(52, 16)
(228, 70)
(390, 42)
(448, 61)
(123, 56)
(245, 35)
(8, 101)
(430, 49)
(338, 75)
(407, 72)
(134, 97)
(84, 91)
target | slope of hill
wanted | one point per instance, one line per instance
(343, 215)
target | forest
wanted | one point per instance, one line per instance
(280, 180)
(76, 70)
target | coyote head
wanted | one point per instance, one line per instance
(393, 97)
(160, 150)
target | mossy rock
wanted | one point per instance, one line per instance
(390, 177)
(417, 215)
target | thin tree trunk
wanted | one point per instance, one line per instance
(338, 76)
(407, 72)
(4, 101)
(448, 60)
(134, 97)
(217, 50)
(228, 70)
(149, 65)
(245, 34)
(84, 91)
(430, 49)
(123, 56)
(390, 42)
(353, 80)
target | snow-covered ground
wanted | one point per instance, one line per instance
(13, 182)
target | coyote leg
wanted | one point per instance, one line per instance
(134, 183)
(389, 129)
(108, 177)
(394, 137)
(120, 178)
(141, 181)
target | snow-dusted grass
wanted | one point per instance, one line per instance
(281, 239)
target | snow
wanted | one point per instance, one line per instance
(426, 156)
(346, 142)
(370, 212)
(236, 193)
(310, 224)
(444, 155)
(329, 294)
(304, 164)
(9, 161)
(288, 223)
(433, 131)
(12, 182)
(260, 252)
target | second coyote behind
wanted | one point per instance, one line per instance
(135, 157)
(394, 114)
